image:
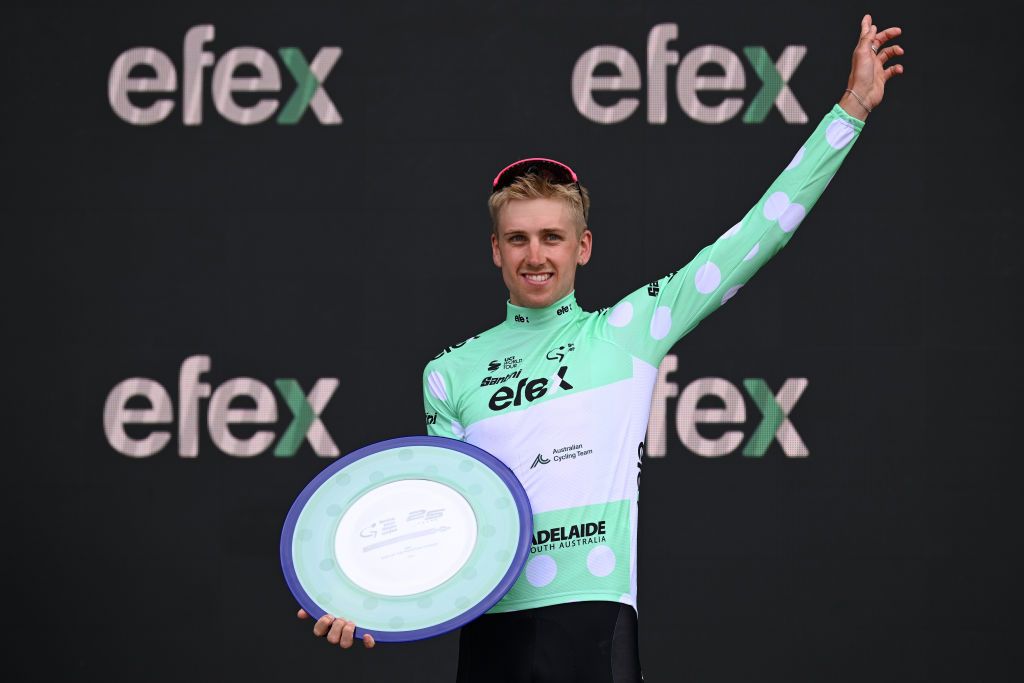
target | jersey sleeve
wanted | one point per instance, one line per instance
(650, 320)
(441, 418)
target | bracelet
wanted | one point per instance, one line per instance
(866, 107)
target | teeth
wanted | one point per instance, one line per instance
(538, 278)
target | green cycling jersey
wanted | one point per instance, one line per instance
(562, 396)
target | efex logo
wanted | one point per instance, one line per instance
(240, 70)
(706, 431)
(221, 414)
(692, 78)
(528, 389)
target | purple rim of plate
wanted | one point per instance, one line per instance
(504, 585)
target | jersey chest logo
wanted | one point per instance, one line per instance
(529, 390)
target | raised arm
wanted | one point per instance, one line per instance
(653, 318)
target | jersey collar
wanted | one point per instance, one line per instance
(558, 313)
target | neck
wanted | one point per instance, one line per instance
(558, 313)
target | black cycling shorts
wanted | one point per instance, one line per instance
(578, 642)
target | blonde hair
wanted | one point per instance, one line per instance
(539, 186)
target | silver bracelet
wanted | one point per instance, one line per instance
(866, 107)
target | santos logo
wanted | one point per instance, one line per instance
(774, 426)
(262, 75)
(692, 78)
(305, 425)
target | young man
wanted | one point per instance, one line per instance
(562, 396)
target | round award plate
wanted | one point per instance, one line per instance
(409, 538)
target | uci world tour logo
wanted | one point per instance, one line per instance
(142, 81)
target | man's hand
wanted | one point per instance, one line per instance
(338, 630)
(868, 73)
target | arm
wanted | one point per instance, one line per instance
(441, 418)
(653, 318)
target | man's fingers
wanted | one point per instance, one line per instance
(335, 634)
(888, 34)
(347, 633)
(302, 614)
(368, 641)
(322, 625)
(892, 51)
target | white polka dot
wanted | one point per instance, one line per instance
(753, 252)
(541, 570)
(792, 217)
(731, 231)
(661, 323)
(730, 293)
(458, 430)
(839, 133)
(436, 383)
(621, 314)
(708, 277)
(601, 561)
(797, 159)
(775, 205)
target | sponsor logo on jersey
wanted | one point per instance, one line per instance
(449, 349)
(584, 533)
(431, 418)
(559, 353)
(488, 381)
(562, 454)
(529, 390)
(653, 288)
(493, 365)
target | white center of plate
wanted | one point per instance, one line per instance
(405, 537)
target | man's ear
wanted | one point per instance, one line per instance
(586, 244)
(495, 252)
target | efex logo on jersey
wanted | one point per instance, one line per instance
(221, 414)
(529, 390)
(691, 80)
(148, 71)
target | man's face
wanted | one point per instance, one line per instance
(537, 249)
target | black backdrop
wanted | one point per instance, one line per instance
(357, 251)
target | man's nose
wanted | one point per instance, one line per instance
(534, 255)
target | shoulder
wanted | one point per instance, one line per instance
(455, 356)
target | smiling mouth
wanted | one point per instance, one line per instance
(538, 278)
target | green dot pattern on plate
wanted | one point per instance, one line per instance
(497, 524)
